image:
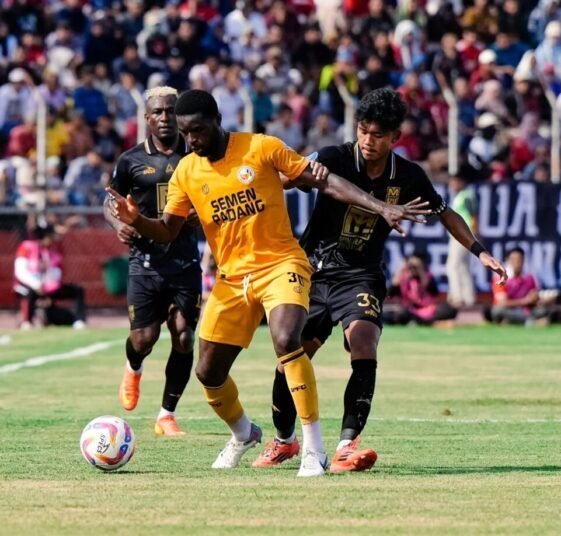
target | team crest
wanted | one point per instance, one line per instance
(246, 175)
(205, 189)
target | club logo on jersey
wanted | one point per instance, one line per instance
(246, 175)
(170, 168)
(149, 171)
(161, 197)
(359, 224)
(205, 189)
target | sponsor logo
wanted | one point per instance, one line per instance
(149, 171)
(298, 289)
(170, 168)
(236, 206)
(205, 189)
(246, 175)
(103, 445)
(297, 388)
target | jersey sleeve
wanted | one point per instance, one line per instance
(282, 158)
(120, 178)
(425, 190)
(178, 202)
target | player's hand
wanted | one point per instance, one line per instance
(493, 264)
(319, 171)
(125, 210)
(414, 211)
(127, 234)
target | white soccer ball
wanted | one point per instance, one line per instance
(107, 442)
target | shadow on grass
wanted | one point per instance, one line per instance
(494, 469)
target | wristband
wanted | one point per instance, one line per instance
(477, 249)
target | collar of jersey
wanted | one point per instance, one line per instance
(360, 163)
(150, 148)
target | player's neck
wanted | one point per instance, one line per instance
(375, 168)
(221, 146)
(165, 145)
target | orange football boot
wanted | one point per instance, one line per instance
(351, 458)
(277, 452)
(129, 391)
(167, 426)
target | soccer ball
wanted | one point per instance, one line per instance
(107, 442)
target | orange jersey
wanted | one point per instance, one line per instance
(240, 202)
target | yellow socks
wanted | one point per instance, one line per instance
(302, 384)
(224, 401)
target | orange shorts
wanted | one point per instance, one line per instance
(235, 306)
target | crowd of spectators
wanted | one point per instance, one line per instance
(91, 59)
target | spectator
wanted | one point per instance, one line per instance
(230, 102)
(408, 45)
(322, 134)
(286, 129)
(16, 102)
(461, 290)
(8, 44)
(38, 276)
(236, 23)
(373, 76)
(447, 64)
(57, 134)
(274, 72)
(378, 20)
(469, 48)
(517, 301)
(418, 294)
(51, 92)
(486, 70)
(409, 143)
(106, 139)
(207, 75)
(176, 71)
(310, 54)
(483, 18)
(491, 100)
(484, 148)
(23, 140)
(541, 160)
(509, 51)
(263, 109)
(80, 139)
(548, 52)
(86, 179)
(89, 100)
(133, 63)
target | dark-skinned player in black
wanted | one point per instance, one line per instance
(345, 246)
(232, 180)
(164, 281)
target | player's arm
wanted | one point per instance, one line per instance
(126, 211)
(120, 181)
(344, 191)
(459, 229)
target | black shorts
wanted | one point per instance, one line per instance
(151, 297)
(333, 301)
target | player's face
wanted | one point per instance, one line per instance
(160, 116)
(375, 143)
(201, 134)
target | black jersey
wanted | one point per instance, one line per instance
(144, 173)
(346, 239)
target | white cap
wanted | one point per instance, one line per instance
(17, 75)
(487, 119)
(487, 56)
(553, 29)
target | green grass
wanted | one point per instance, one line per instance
(466, 423)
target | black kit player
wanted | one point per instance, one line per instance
(164, 280)
(345, 246)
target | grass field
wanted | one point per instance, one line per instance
(466, 423)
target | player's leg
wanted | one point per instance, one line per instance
(285, 444)
(229, 320)
(146, 313)
(359, 305)
(286, 323)
(178, 372)
(362, 337)
(316, 331)
(185, 302)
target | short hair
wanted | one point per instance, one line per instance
(382, 106)
(196, 101)
(516, 249)
(160, 91)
